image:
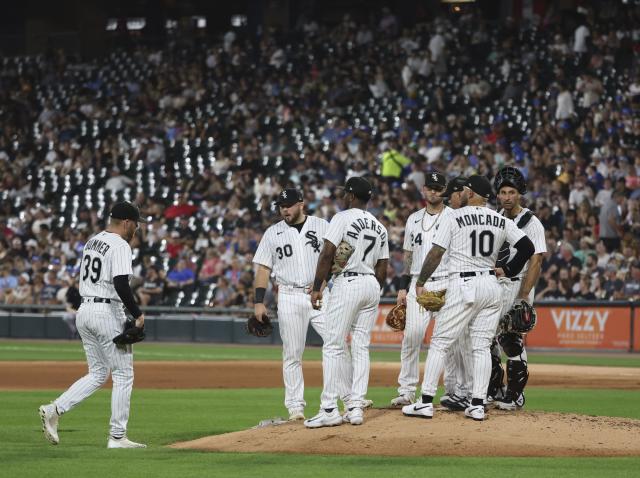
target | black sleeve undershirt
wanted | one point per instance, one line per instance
(121, 284)
(525, 250)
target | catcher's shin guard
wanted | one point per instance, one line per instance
(497, 376)
(517, 377)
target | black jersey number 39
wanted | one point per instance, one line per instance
(96, 268)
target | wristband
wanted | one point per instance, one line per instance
(405, 280)
(260, 292)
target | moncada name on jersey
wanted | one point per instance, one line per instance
(480, 220)
(364, 223)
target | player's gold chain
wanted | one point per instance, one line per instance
(434, 222)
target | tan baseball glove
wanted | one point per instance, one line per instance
(432, 300)
(340, 259)
(397, 317)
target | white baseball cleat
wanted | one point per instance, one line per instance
(355, 416)
(324, 419)
(49, 417)
(296, 414)
(123, 442)
(402, 400)
(475, 411)
(418, 409)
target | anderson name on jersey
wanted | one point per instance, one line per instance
(291, 255)
(365, 234)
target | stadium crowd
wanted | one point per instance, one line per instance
(202, 136)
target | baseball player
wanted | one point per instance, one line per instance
(472, 235)
(104, 287)
(352, 306)
(289, 250)
(419, 231)
(510, 185)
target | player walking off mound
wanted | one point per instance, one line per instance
(510, 185)
(419, 231)
(353, 303)
(104, 287)
(472, 235)
(289, 250)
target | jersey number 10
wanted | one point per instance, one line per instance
(482, 243)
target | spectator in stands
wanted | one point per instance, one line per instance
(181, 276)
(8, 281)
(22, 293)
(152, 288)
(224, 294)
(611, 221)
(49, 291)
(632, 286)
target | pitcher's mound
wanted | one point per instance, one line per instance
(388, 432)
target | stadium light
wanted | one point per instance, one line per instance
(136, 23)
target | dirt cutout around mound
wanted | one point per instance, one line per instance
(268, 374)
(387, 432)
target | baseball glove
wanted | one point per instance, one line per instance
(397, 317)
(520, 319)
(130, 335)
(432, 300)
(341, 257)
(259, 329)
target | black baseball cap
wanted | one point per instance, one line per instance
(359, 187)
(126, 210)
(455, 185)
(480, 185)
(435, 179)
(288, 197)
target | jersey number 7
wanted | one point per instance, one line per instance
(372, 240)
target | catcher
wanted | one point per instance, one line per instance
(518, 294)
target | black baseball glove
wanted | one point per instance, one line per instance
(259, 329)
(130, 335)
(520, 319)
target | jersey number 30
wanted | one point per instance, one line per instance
(96, 268)
(482, 243)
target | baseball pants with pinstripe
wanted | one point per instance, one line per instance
(351, 308)
(97, 325)
(474, 304)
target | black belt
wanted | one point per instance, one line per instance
(354, 274)
(98, 300)
(514, 279)
(434, 279)
(473, 274)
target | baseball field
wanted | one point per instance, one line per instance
(195, 406)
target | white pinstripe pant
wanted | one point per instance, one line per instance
(474, 304)
(97, 325)
(510, 290)
(457, 368)
(352, 307)
(295, 313)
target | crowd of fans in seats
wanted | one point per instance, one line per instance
(203, 135)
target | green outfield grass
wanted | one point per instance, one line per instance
(160, 417)
(66, 350)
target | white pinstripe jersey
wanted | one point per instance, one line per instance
(105, 256)
(418, 234)
(534, 230)
(473, 236)
(365, 234)
(291, 255)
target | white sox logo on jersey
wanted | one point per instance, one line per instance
(313, 241)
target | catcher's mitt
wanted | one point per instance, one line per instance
(397, 317)
(341, 257)
(130, 335)
(259, 329)
(432, 300)
(520, 319)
